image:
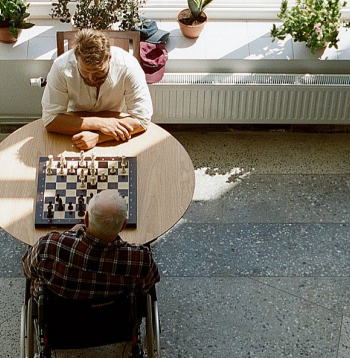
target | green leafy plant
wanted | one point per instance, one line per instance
(315, 22)
(194, 15)
(100, 14)
(197, 7)
(13, 14)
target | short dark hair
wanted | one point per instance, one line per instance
(92, 47)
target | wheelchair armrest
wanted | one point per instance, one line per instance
(132, 307)
(41, 299)
(153, 293)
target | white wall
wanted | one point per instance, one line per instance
(17, 97)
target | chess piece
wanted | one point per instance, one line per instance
(81, 211)
(50, 210)
(61, 172)
(93, 180)
(82, 157)
(90, 197)
(60, 205)
(62, 160)
(71, 170)
(82, 174)
(58, 197)
(113, 170)
(70, 206)
(92, 164)
(123, 164)
(49, 165)
(103, 176)
(92, 169)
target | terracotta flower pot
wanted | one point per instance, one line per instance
(6, 36)
(191, 31)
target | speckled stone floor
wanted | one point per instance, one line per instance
(258, 267)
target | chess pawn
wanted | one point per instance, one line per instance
(82, 174)
(50, 157)
(113, 169)
(93, 180)
(61, 172)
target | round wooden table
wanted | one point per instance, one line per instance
(165, 179)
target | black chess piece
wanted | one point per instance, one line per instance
(50, 210)
(81, 211)
(70, 206)
(60, 205)
(90, 197)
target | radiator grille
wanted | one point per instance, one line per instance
(251, 98)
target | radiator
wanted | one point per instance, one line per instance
(251, 98)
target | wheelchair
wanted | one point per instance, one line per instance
(50, 322)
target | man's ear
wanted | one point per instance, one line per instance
(124, 225)
(87, 219)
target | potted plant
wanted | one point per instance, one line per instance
(193, 19)
(13, 15)
(315, 22)
(100, 14)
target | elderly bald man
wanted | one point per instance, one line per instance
(91, 260)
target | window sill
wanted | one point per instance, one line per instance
(223, 46)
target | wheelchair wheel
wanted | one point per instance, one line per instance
(23, 331)
(149, 329)
(156, 328)
(29, 351)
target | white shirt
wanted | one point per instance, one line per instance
(124, 90)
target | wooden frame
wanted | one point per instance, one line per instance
(117, 38)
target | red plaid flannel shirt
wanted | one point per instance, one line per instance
(76, 265)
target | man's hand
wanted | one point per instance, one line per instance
(89, 129)
(120, 129)
(85, 140)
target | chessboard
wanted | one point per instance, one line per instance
(66, 185)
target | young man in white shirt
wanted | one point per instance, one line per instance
(96, 93)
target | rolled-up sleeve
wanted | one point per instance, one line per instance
(55, 98)
(138, 100)
(125, 89)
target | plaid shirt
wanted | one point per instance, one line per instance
(76, 265)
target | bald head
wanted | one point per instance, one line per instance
(106, 214)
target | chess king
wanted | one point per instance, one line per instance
(96, 93)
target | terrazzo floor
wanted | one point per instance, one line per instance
(258, 267)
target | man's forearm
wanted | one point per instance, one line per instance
(72, 123)
(75, 122)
